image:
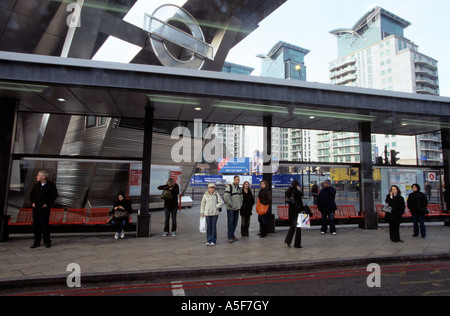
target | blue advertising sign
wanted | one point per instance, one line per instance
(202, 179)
(234, 165)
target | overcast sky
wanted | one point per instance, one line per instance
(307, 23)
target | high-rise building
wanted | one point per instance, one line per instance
(287, 61)
(375, 54)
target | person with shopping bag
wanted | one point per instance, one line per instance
(294, 200)
(211, 206)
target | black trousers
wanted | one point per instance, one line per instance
(41, 216)
(245, 225)
(294, 230)
(394, 230)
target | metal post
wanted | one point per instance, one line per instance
(7, 134)
(143, 224)
(267, 166)
(366, 177)
(445, 134)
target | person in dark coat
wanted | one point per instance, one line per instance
(246, 208)
(42, 196)
(327, 206)
(294, 199)
(265, 198)
(417, 204)
(120, 212)
(315, 192)
(170, 206)
(396, 201)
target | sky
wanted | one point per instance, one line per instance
(307, 23)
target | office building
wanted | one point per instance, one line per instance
(375, 54)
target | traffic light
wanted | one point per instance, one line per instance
(394, 158)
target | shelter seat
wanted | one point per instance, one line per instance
(75, 216)
(381, 214)
(339, 214)
(25, 217)
(436, 211)
(315, 210)
(350, 210)
(407, 213)
(56, 216)
(283, 212)
(98, 216)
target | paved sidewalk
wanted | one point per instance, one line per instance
(100, 255)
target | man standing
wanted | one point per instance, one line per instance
(233, 199)
(42, 196)
(327, 206)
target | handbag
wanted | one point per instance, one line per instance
(202, 227)
(303, 220)
(119, 214)
(166, 195)
(386, 209)
(261, 209)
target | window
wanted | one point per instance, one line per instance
(93, 121)
(90, 121)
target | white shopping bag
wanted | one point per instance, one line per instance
(303, 221)
(202, 227)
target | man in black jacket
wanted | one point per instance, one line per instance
(42, 196)
(417, 204)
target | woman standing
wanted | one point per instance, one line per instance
(246, 209)
(396, 201)
(120, 214)
(417, 204)
(294, 199)
(170, 206)
(265, 198)
(210, 208)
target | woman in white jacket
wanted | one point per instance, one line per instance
(210, 208)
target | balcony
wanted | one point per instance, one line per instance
(342, 63)
(426, 90)
(343, 72)
(425, 62)
(425, 81)
(345, 79)
(421, 71)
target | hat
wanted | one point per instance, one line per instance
(327, 181)
(211, 185)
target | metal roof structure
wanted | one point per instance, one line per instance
(58, 85)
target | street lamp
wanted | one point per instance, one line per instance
(299, 68)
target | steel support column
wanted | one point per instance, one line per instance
(445, 134)
(267, 166)
(366, 177)
(143, 224)
(9, 110)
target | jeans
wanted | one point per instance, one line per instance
(233, 217)
(211, 229)
(419, 220)
(168, 212)
(328, 218)
(120, 223)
